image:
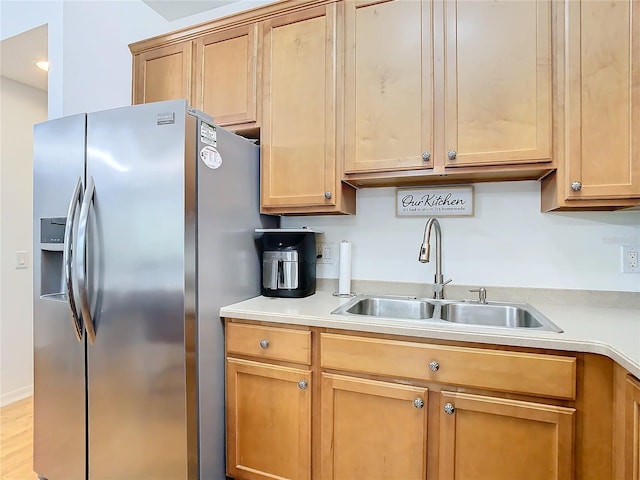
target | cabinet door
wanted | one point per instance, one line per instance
(372, 429)
(268, 421)
(485, 437)
(163, 74)
(388, 72)
(497, 85)
(602, 99)
(632, 427)
(226, 75)
(299, 111)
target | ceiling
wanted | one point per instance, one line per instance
(175, 9)
(19, 53)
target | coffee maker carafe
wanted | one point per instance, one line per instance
(288, 259)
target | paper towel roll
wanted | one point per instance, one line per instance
(344, 280)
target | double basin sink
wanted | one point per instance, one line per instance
(491, 314)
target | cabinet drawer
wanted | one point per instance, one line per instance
(269, 342)
(528, 373)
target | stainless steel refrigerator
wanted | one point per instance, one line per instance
(143, 229)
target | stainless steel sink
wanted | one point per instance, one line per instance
(409, 308)
(496, 315)
(491, 314)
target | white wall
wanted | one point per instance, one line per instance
(508, 242)
(21, 107)
(18, 16)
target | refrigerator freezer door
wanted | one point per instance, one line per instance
(137, 395)
(67, 259)
(59, 358)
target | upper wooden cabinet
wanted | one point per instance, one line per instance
(456, 88)
(163, 74)
(389, 86)
(216, 73)
(497, 82)
(395, 92)
(300, 169)
(226, 75)
(598, 116)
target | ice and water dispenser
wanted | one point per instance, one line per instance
(288, 262)
(51, 250)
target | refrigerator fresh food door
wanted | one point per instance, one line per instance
(228, 268)
(135, 289)
(59, 347)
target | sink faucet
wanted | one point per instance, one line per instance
(423, 257)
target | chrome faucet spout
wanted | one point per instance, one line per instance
(423, 256)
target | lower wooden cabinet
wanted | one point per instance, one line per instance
(309, 403)
(485, 437)
(632, 429)
(626, 426)
(372, 430)
(268, 421)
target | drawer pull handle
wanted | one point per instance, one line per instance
(264, 343)
(418, 403)
(434, 366)
(449, 409)
(302, 385)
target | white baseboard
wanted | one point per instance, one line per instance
(15, 395)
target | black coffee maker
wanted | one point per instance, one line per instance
(288, 262)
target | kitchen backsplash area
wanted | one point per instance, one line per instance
(507, 242)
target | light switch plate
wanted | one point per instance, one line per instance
(22, 260)
(326, 253)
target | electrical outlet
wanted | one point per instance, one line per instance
(326, 253)
(630, 258)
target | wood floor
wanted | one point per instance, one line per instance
(16, 441)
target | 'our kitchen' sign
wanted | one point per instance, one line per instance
(456, 201)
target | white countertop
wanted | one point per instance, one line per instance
(613, 332)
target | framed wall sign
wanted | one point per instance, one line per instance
(441, 201)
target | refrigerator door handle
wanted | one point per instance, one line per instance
(67, 258)
(81, 265)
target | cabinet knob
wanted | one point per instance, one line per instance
(576, 186)
(264, 343)
(426, 156)
(418, 403)
(434, 366)
(452, 154)
(327, 195)
(302, 385)
(449, 409)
